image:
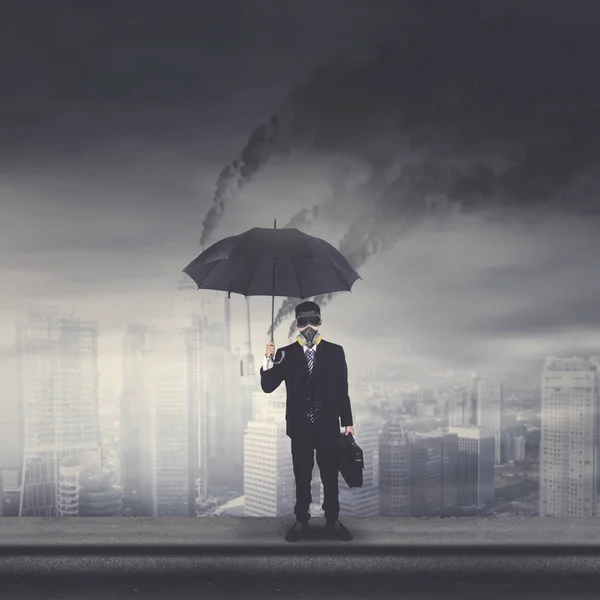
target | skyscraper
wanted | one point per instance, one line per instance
(394, 469)
(433, 474)
(59, 392)
(476, 459)
(214, 386)
(136, 423)
(166, 388)
(11, 426)
(269, 485)
(489, 395)
(569, 438)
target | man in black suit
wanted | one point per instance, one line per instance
(316, 381)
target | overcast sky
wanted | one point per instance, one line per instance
(116, 119)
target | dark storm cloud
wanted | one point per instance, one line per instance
(117, 119)
(498, 114)
(75, 69)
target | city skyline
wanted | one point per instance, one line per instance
(462, 185)
(151, 467)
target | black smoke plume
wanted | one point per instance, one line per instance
(483, 115)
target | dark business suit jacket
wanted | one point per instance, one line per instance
(331, 380)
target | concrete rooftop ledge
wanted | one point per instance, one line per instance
(247, 535)
(254, 546)
(243, 559)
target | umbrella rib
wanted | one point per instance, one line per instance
(208, 273)
(252, 274)
(297, 276)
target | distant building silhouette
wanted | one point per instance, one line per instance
(137, 428)
(433, 474)
(476, 460)
(489, 395)
(59, 392)
(394, 469)
(165, 378)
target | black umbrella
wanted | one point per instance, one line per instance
(273, 262)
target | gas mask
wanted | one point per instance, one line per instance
(309, 333)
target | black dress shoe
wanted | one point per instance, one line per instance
(337, 529)
(297, 532)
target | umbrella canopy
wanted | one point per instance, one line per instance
(273, 262)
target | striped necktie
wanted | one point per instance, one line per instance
(310, 360)
(313, 413)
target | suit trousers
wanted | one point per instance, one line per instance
(328, 461)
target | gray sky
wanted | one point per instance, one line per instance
(119, 119)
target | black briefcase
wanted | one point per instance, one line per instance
(351, 461)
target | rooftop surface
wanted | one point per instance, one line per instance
(243, 558)
(412, 557)
(248, 534)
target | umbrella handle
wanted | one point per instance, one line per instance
(278, 362)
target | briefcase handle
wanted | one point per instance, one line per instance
(351, 438)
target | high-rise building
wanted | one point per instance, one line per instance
(269, 484)
(433, 474)
(233, 431)
(216, 396)
(137, 426)
(459, 406)
(476, 460)
(166, 387)
(59, 392)
(518, 448)
(394, 469)
(11, 426)
(489, 394)
(364, 501)
(569, 438)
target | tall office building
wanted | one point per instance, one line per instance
(250, 385)
(517, 448)
(218, 460)
(215, 393)
(233, 432)
(364, 501)
(59, 392)
(269, 485)
(394, 469)
(433, 474)
(476, 460)
(569, 438)
(203, 317)
(489, 395)
(11, 426)
(165, 378)
(459, 406)
(137, 426)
